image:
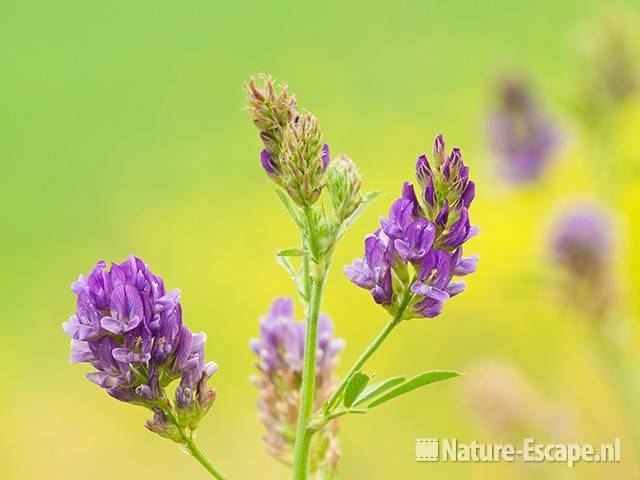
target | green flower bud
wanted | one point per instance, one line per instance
(272, 110)
(343, 185)
(303, 160)
(161, 425)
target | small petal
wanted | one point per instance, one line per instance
(325, 157)
(267, 161)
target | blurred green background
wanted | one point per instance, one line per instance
(122, 132)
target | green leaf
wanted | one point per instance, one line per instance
(416, 382)
(366, 201)
(354, 388)
(291, 208)
(291, 252)
(378, 389)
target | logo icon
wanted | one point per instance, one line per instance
(427, 450)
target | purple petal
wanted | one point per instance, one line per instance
(125, 303)
(167, 302)
(282, 307)
(359, 274)
(469, 194)
(466, 265)
(430, 192)
(423, 169)
(112, 325)
(455, 288)
(438, 146)
(325, 157)
(268, 163)
(80, 352)
(103, 379)
(409, 193)
(443, 215)
(430, 308)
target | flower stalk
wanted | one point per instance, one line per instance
(197, 454)
(368, 353)
(307, 395)
(194, 451)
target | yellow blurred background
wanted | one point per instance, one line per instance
(122, 132)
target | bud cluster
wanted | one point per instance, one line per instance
(272, 112)
(294, 156)
(129, 328)
(304, 160)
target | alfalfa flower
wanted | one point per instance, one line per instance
(410, 262)
(520, 133)
(582, 246)
(129, 328)
(294, 154)
(280, 351)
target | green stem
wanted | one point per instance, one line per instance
(197, 454)
(191, 446)
(307, 391)
(311, 234)
(371, 349)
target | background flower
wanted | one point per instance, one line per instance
(280, 351)
(521, 133)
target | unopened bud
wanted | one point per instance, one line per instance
(272, 110)
(344, 184)
(303, 160)
(161, 425)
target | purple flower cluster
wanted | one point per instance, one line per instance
(129, 328)
(280, 351)
(520, 133)
(409, 263)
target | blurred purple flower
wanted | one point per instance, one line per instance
(582, 245)
(425, 236)
(581, 240)
(281, 343)
(129, 328)
(522, 136)
(280, 351)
